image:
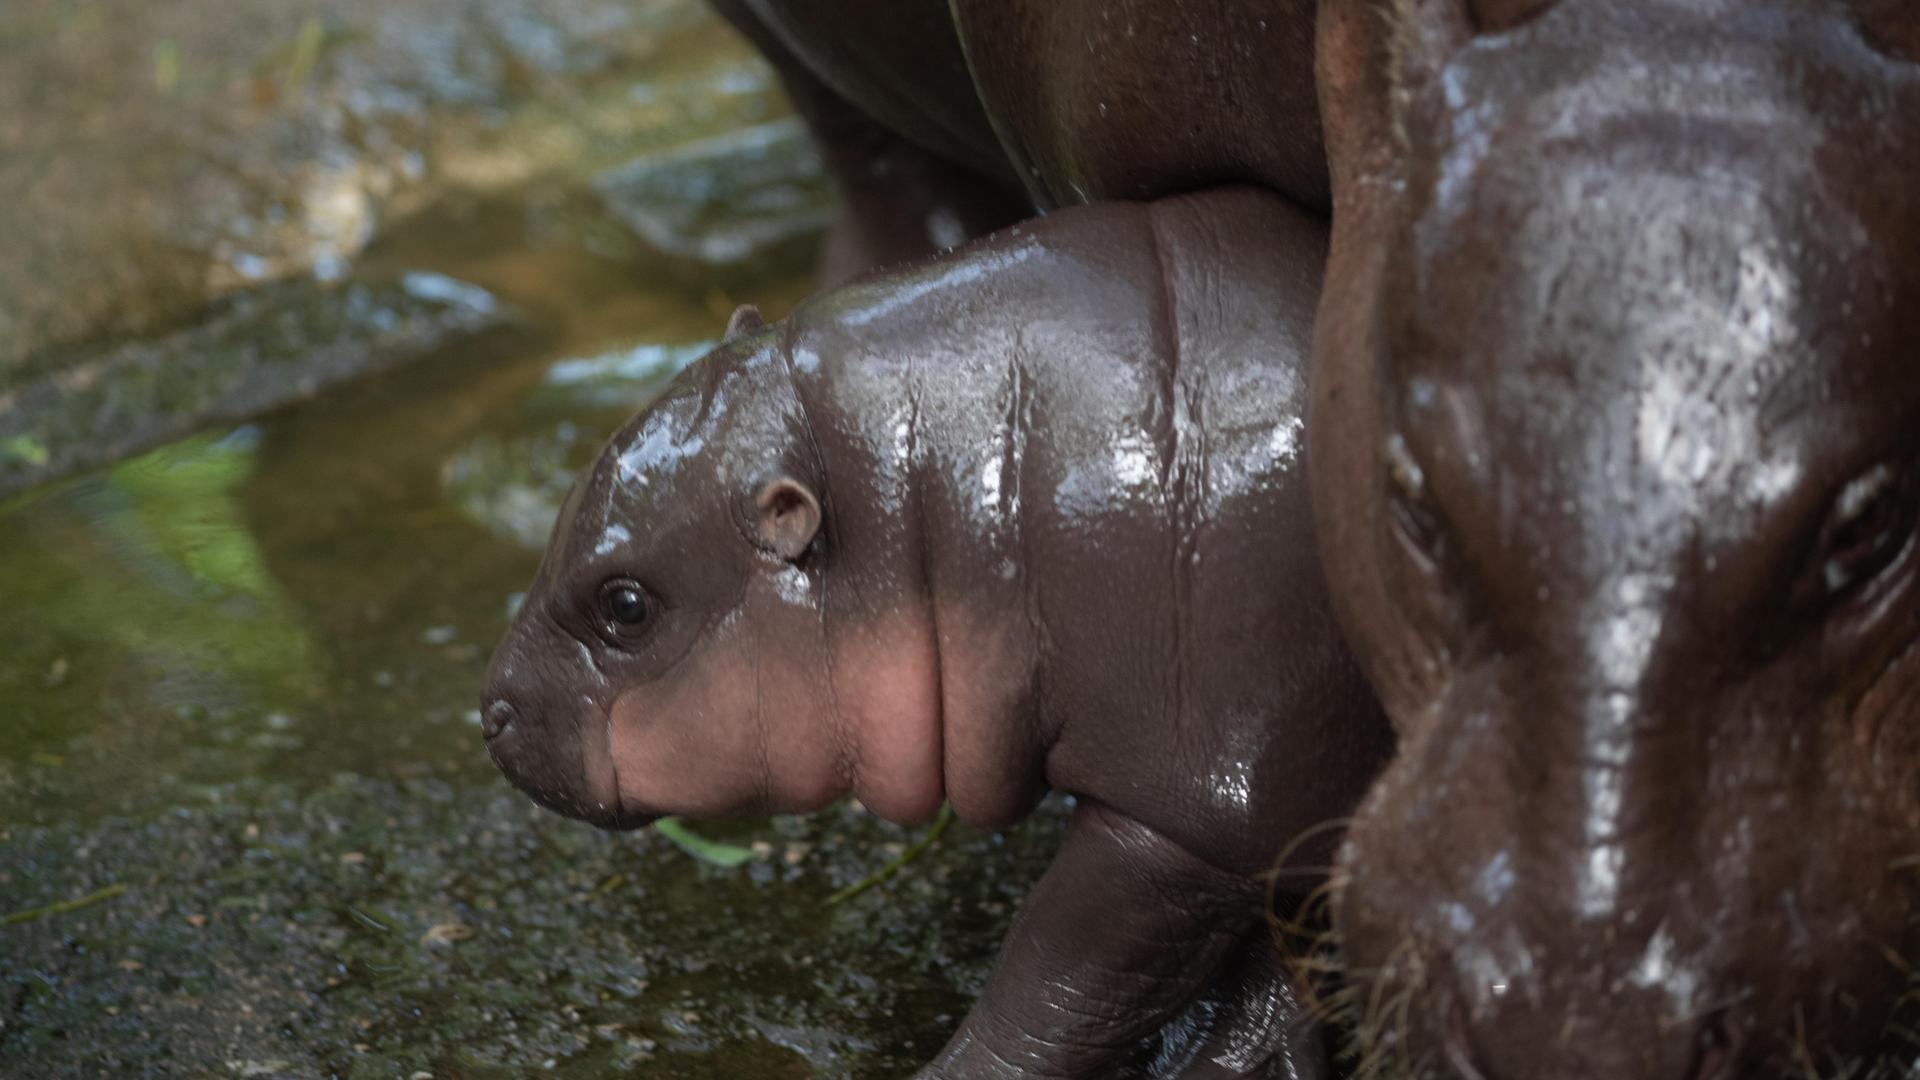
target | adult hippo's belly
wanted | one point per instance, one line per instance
(1083, 100)
(1616, 457)
(1135, 99)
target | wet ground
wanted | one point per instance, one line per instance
(247, 827)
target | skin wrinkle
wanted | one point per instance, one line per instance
(916, 494)
(784, 351)
(1026, 403)
(762, 732)
(613, 759)
(1179, 571)
(848, 754)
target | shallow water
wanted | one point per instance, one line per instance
(238, 680)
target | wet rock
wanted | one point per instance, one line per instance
(514, 487)
(512, 482)
(169, 172)
(726, 199)
(257, 349)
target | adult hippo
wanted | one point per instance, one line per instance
(945, 119)
(1615, 448)
(1030, 515)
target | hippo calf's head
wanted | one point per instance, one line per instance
(664, 658)
(1616, 452)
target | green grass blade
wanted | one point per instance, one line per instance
(725, 856)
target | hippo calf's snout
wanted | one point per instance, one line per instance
(550, 738)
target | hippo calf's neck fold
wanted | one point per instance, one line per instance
(1031, 515)
(1617, 469)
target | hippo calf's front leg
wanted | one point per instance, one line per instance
(1120, 935)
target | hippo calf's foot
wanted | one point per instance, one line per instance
(1029, 516)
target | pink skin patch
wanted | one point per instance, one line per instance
(757, 719)
(886, 682)
(992, 754)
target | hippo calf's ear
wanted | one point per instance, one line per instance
(788, 517)
(746, 320)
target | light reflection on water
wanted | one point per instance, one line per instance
(317, 592)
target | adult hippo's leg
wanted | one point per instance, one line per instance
(899, 200)
(1104, 964)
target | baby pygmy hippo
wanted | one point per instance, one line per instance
(1030, 515)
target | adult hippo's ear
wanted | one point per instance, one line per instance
(746, 320)
(786, 517)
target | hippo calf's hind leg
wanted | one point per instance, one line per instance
(1116, 942)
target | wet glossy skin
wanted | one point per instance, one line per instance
(1134, 99)
(1033, 514)
(895, 114)
(1614, 449)
(935, 114)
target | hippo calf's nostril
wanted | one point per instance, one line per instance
(497, 719)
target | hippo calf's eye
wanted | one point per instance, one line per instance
(623, 602)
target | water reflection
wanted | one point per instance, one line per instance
(316, 593)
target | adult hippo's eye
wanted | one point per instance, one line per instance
(1419, 527)
(623, 602)
(1869, 525)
